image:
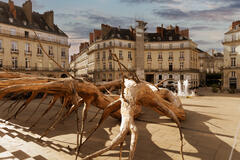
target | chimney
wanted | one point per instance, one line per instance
(159, 30)
(185, 33)
(12, 9)
(234, 24)
(91, 38)
(97, 34)
(176, 30)
(105, 30)
(49, 19)
(27, 8)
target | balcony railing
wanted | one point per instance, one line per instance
(181, 59)
(110, 46)
(28, 53)
(32, 37)
(39, 55)
(14, 51)
(168, 47)
(23, 68)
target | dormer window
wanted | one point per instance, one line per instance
(170, 38)
(181, 38)
(11, 20)
(24, 23)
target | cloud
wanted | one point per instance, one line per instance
(223, 12)
(201, 28)
(147, 1)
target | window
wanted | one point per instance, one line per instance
(233, 62)
(170, 38)
(27, 63)
(181, 65)
(0, 29)
(120, 44)
(98, 55)
(26, 33)
(1, 63)
(110, 76)
(170, 66)
(110, 43)
(170, 46)
(129, 55)
(50, 50)
(14, 46)
(110, 65)
(13, 32)
(233, 49)
(98, 46)
(160, 77)
(170, 76)
(160, 55)
(63, 64)
(129, 45)
(104, 65)
(233, 74)
(170, 56)
(63, 52)
(182, 45)
(104, 77)
(110, 55)
(14, 63)
(0, 44)
(149, 56)
(27, 47)
(181, 77)
(104, 45)
(104, 55)
(39, 49)
(120, 55)
(181, 54)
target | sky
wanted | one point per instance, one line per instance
(207, 20)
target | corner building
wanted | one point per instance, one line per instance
(168, 53)
(19, 47)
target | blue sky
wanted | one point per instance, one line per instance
(207, 20)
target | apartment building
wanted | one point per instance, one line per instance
(169, 53)
(19, 47)
(79, 61)
(209, 64)
(231, 70)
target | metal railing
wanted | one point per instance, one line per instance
(22, 68)
(32, 37)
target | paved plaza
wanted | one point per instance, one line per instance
(209, 132)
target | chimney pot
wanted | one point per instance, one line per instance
(49, 19)
(27, 8)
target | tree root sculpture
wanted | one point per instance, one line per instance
(75, 92)
(135, 95)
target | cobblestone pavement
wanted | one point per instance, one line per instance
(208, 134)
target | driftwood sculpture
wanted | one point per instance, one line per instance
(75, 92)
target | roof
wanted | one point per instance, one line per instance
(127, 34)
(218, 54)
(118, 33)
(38, 22)
(152, 37)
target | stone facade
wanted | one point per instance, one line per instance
(231, 70)
(19, 47)
(167, 54)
